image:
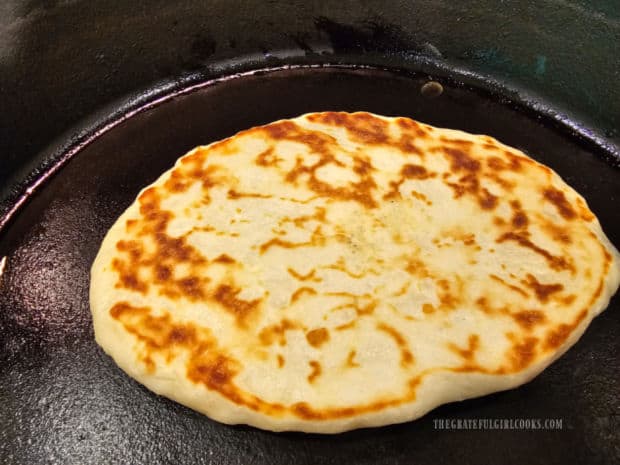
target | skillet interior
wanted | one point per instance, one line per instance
(65, 401)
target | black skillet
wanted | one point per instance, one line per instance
(63, 401)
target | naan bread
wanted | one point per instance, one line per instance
(338, 271)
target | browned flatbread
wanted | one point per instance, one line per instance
(337, 271)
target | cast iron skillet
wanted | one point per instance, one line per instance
(64, 401)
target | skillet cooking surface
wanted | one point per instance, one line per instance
(64, 401)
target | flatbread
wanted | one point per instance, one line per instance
(338, 271)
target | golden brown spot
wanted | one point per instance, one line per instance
(215, 372)
(599, 289)
(511, 162)
(449, 298)
(543, 291)
(149, 199)
(569, 299)
(403, 289)
(362, 127)
(410, 131)
(487, 200)
(394, 193)
(191, 287)
(467, 184)
(226, 147)
(519, 218)
(556, 337)
(277, 332)
(417, 268)
(153, 332)
(360, 191)
(360, 309)
(351, 363)
(367, 309)
(162, 273)
(527, 319)
(134, 248)
(280, 361)
(302, 201)
(177, 182)
(305, 411)
(428, 308)
(558, 199)
(406, 358)
(584, 211)
(495, 163)
(516, 160)
(128, 277)
(319, 215)
(460, 160)
(177, 249)
(300, 221)
(267, 158)
(194, 159)
(287, 130)
(149, 364)
(159, 335)
(406, 145)
(299, 292)
(317, 337)
(469, 354)
(241, 309)
(504, 183)
(557, 263)
(508, 285)
(459, 143)
(421, 197)
(301, 277)
(316, 371)
(367, 128)
(122, 309)
(350, 325)
(224, 258)
(317, 239)
(468, 239)
(483, 304)
(556, 232)
(408, 171)
(234, 195)
(522, 354)
(341, 266)
(192, 169)
(346, 294)
(181, 335)
(470, 184)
